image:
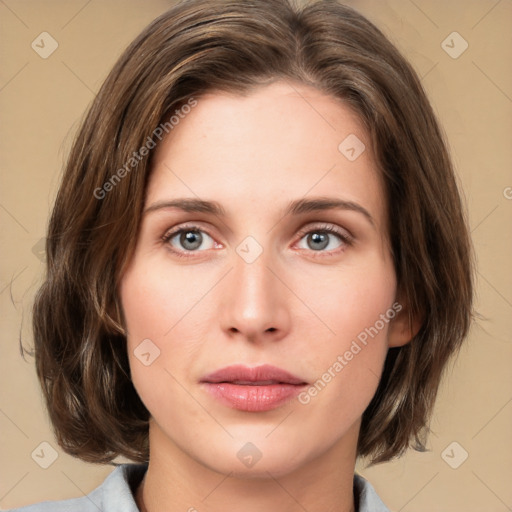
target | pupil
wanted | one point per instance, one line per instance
(191, 239)
(320, 240)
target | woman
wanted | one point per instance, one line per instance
(258, 264)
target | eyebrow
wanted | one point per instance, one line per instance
(297, 207)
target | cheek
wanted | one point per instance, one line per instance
(149, 314)
(355, 308)
(154, 298)
(158, 304)
(349, 300)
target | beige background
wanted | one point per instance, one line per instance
(41, 102)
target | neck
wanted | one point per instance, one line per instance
(177, 482)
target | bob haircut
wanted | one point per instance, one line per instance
(201, 46)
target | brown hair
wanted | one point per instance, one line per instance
(201, 46)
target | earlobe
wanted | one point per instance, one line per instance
(403, 328)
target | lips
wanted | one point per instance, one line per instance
(258, 375)
(255, 389)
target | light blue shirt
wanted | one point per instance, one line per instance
(115, 495)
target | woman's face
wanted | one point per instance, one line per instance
(283, 260)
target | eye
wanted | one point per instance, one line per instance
(188, 239)
(325, 238)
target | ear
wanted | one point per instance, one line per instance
(404, 326)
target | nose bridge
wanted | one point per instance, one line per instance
(253, 280)
(256, 301)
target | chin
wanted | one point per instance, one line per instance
(256, 455)
(276, 465)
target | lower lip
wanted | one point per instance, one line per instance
(253, 398)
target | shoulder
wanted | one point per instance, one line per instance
(368, 500)
(114, 494)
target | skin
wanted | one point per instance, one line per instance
(255, 154)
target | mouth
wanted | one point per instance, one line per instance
(256, 389)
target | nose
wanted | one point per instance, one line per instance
(255, 307)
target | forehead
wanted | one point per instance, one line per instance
(279, 142)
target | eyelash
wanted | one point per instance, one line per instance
(344, 237)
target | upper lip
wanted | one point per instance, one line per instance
(258, 375)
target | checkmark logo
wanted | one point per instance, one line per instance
(249, 455)
(147, 352)
(454, 45)
(249, 249)
(44, 455)
(44, 45)
(454, 455)
(351, 147)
